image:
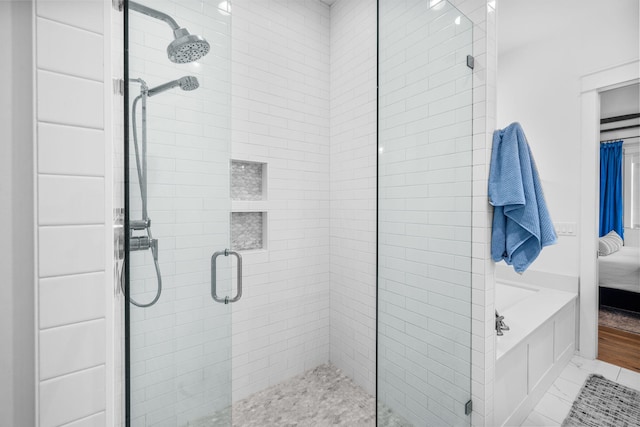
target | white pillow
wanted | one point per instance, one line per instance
(609, 244)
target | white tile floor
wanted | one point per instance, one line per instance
(555, 404)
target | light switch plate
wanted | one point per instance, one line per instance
(565, 228)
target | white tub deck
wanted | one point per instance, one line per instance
(525, 308)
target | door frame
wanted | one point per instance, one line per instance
(591, 85)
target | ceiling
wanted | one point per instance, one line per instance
(621, 101)
(329, 2)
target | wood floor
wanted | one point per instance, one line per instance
(618, 347)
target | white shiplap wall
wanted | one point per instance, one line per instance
(72, 201)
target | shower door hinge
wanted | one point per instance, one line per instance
(118, 5)
(470, 61)
(118, 86)
(468, 407)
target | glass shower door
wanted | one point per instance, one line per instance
(182, 277)
(424, 214)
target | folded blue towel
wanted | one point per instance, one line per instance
(521, 222)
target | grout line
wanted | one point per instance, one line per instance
(40, 121)
(69, 25)
(83, 418)
(71, 373)
(80, 322)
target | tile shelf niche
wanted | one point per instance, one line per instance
(248, 205)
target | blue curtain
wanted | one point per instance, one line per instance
(611, 188)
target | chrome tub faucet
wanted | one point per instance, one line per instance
(500, 325)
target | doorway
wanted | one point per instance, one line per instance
(591, 87)
(619, 228)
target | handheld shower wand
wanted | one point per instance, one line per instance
(186, 83)
(139, 243)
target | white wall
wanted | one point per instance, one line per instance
(620, 101)
(353, 190)
(73, 204)
(281, 118)
(17, 329)
(539, 86)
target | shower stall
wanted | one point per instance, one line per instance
(298, 204)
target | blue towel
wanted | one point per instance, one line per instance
(521, 222)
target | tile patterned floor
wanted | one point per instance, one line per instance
(320, 397)
(323, 396)
(555, 404)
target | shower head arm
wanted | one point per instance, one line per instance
(154, 14)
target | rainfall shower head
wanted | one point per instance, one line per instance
(185, 83)
(186, 47)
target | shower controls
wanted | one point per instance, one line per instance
(140, 224)
(214, 291)
(118, 248)
(141, 243)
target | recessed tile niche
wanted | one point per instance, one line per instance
(247, 181)
(247, 230)
(248, 194)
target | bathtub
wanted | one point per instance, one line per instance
(539, 344)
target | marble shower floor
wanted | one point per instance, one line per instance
(323, 396)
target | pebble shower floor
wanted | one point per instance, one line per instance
(323, 396)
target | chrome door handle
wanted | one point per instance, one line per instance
(214, 293)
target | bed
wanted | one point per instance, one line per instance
(619, 279)
(621, 269)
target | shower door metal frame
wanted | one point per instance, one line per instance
(127, 259)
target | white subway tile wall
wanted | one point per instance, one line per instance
(353, 190)
(281, 117)
(71, 194)
(425, 194)
(181, 346)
